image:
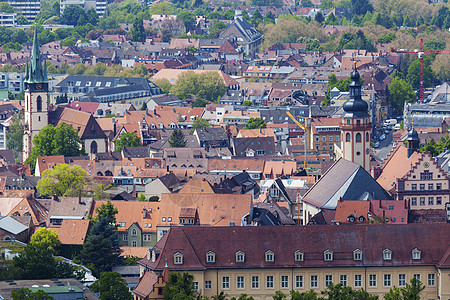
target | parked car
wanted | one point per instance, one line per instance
(382, 137)
(386, 131)
(376, 145)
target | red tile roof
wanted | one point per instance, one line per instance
(195, 242)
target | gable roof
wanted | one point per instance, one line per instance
(344, 180)
(396, 165)
(72, 232)
(12, 226)
(198, 185)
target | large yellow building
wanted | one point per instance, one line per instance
(258, 261)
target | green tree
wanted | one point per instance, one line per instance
(107, 211)
(38, 263)
(400, 92)
(46, 239)
(188, 19)
(177, 139)
(180, 286)
(319, 17)
(200, 103)
(221, 296)
(247, 103)
(92, 16)
(208, 85)
(340, 291)
(255, 123)
(413, 73)
(243, 297)
(111, 286)
(50, 141)
(72, 13)
(137, 32)
(27, 294)
(127, 139)
(144, 106)
(14, 136)
(310, 295)
(361, 7)
(279, 295)
(101, 250)
(200, 123)
(142, 198)
(163, 84)
(6, 8)
(63, 180)
(409, 292)
(355, 41)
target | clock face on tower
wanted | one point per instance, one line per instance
(38, 86)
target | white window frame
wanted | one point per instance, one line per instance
(269, 282)
(372, 280)
(358, 280)
(240, 282)
(328, 280)
(314, 281)
(416, 254)
(328, 255)
(210, 257)
(431, 279)
(357, 254)
(225, 282)
(240, 256)
(387, 280)
(298, 255)
(270, 256)
(401, 279)
(178, 258)
(208, 284)
(299, 281)
(284, 281)
(255, 282)
(387, 254)
(343, 279)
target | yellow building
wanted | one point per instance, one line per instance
(258, 261)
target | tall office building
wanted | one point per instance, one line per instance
(98, 5)
(29, 8)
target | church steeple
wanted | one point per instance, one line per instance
(355, 107)
(36, 74)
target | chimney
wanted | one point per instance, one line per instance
(153, 256)
(144, 213)
(148, 254)
(54, 198)
(154, 111)
(134, 191)
(167, 169)
(79, 200)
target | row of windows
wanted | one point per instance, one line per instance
(314, 281)
(422, 201)
(298, 256)
(145, 237)
(357, 137)
(324, 138)
(422, 186)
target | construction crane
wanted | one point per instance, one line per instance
(420, 52)
(305, 164)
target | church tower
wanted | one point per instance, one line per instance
(36, 98)
(356, 126)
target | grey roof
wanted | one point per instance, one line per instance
(132, 152)
(21, 182)
(170, 181)
(8, 156)
(211, 134)
(344, 180)
(11, 225)
(240, 145)
(279, 116)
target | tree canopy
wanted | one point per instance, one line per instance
(208, 85)
(200, 123)
(46, 239)
(111, 286)
(14, 136)
(400, 92)
(127, 139)
(180, 286)
(137, 31)
(177, 139)
(108, 211)
(27, 294)
(63, 180)
(255, 123)
(50, 141)
(101, 250)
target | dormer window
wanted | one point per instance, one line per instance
(357, 254)
(328, 255)
(178, 258)
(210, 257)
(270, 256)
(298, 255)
(387, 254)
(416, 254)
(240, 256)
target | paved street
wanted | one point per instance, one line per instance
(385, 146)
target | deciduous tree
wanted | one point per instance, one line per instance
(14, 136)
(137, 31)
(127, 139)
(27, 294)
(111, 286)
(255, 123)
(108, 211)
(46, 239)
(180, 286)
(63, 180)
(400, 92)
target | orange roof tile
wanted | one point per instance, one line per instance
(72, 232)
(196, 186)
(45, 162)
(130, 212)
(277, 168)
(262, 132)
(397, 165)
(356, 208)
(212, 209)
(236, 164)
(133, 251)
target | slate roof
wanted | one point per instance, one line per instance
(7, 156)
(195, 242)
(344, 180)
(241, 145)
(211, 134)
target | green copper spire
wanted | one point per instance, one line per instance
(36, 73)
(26, 72)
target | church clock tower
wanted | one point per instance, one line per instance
(356, 126)
(36, 98)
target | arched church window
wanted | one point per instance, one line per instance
(39, 103)
(358, 137)
(347, 137)
(367, 136)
